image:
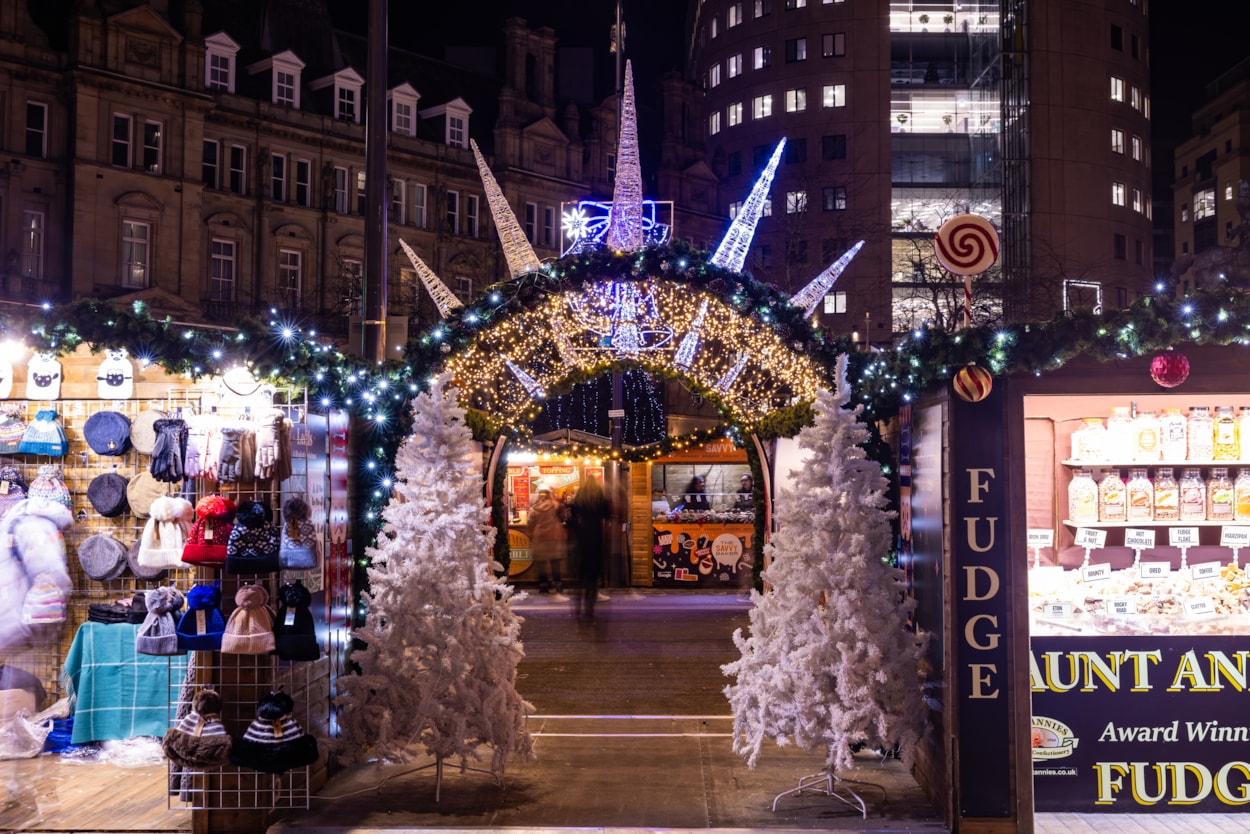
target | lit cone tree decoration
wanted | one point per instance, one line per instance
(1169, 369)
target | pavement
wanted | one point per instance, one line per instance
(631, 732)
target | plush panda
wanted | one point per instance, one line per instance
(116, 377)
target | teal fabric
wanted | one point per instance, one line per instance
(116, 692)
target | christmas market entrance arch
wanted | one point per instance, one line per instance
(741, 344)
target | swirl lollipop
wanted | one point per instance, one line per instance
(966, 245)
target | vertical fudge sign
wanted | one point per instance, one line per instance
(979, 485)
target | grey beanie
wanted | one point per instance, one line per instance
(107, 433)
(143, 431)
(143, 571)
(103, 557)
(107, 493)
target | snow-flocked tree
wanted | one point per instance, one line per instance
(442, 643)
(829, 662)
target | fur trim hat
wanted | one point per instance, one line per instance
(165, 534)
(44, 436)
(102, 557)
(199, 739)
(297, 548)
(253, 544)
(201, 625)
(295, 634)
(107, 433)
(12, 487)
(143, 430)
(157, 635)
(206, 543)
(142, 571)
(12, 428)
(107, 494)
(274, 741)
(250, 627)
(142, 490)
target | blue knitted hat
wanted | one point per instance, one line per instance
(202, 625)
(44, 436)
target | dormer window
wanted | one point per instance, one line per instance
(220, 57)
(284, 77)
(347, 85)
(402, 101)
(455, 115)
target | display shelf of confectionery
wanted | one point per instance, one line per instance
(1149, 523)
(1129, 464)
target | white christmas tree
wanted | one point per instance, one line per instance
(438, 671)
(829, 663)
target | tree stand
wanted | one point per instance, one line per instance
(828, 783)
(437, 764)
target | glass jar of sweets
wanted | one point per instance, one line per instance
(1241, 495)
(1146, 434)
(1120, 444)
(1082, 497)
(1193, 495)
(1224, 445)
(1167, 495)
(1200, 434)
(1220, 496)
(1172, 435)
(1140, 496)
(1112, 498)
(1089, 441)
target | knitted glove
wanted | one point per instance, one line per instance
(247, 456)
(197, 443)
(230, 455)
(268, 444)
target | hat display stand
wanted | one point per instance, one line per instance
(106, 468)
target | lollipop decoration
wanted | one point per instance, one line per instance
(966, 245)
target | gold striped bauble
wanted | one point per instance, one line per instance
(972, 383)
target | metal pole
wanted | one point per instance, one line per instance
(377, 188)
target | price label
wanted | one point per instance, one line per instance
(1041, 538)
(1154, 570)
(1121, 607)
(1183, 536)
(1095, 573)
(1205, 570)
(616, 412)
(1058, 610)
(1089, 537)
(1200, 607)
(1139, 539)
(1235, 537)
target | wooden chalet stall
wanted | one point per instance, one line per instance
(1088, 612)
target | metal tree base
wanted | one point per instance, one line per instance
(437, 764)
(827, 783)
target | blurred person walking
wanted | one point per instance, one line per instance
(591, 511)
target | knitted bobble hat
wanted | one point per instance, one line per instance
(157, 635)
(12, 429)
(12, 487)
(199, 739)
(298, 546)
(206, 543)
(250, 627)
(201, 626)
(295, 633)
(44, 436)
(274, 741)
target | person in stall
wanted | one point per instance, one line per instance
(694, 498)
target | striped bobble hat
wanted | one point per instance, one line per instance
(199, 739)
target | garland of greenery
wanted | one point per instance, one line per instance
(378, 395)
